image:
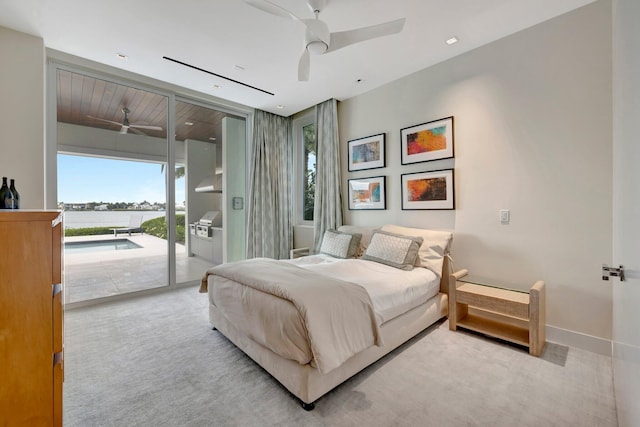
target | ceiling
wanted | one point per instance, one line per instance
(246, 45)
(87, 101)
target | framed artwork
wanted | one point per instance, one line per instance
(427, 141)
(368, 193)
(428, 190)
(367, 153)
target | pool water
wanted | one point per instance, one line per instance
(99, 246)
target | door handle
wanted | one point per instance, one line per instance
(612, 271)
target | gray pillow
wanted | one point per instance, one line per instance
(339, 244)
(393, 249)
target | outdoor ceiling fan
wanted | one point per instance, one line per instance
(318, 40)
(125, 126)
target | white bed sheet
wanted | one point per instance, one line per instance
(392, 291)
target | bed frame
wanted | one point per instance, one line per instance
(305, 381)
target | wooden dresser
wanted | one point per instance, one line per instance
(31, 362)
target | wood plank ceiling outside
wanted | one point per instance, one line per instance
(80, 97)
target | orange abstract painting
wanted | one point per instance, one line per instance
(427, 140)
(430, 189)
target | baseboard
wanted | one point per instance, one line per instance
(578, 340)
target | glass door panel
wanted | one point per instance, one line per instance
(112, 148)
(199, 197)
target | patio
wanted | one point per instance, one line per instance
(97, 274)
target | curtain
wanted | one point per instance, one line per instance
(327, 212)
(270, 228)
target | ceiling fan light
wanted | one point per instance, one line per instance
(317, 47)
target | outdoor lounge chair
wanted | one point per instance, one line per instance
(135, 223)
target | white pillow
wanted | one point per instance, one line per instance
(435, 245)
(393, 249)
(339, 244)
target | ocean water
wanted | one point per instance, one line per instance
(83, 219)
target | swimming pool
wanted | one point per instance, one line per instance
(99, 246)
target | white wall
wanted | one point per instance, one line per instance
(22, 114)
(626, 230)
(533, 134)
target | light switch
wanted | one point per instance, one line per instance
(504, 216)
(237, 203)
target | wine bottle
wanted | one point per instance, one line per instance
(16, 195)
(6, 196)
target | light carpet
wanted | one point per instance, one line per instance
(155, 361)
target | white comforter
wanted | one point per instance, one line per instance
(392, 291)
(338, 317)
(278, 325)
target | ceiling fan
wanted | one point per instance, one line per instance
(318, 40)
(125, 126)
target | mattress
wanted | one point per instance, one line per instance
(392, 291)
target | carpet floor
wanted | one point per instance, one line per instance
(155, 361)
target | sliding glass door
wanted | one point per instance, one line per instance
(112, 153)
(144, 210)
(202, 141)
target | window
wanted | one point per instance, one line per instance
(305, 147)
(309, 190)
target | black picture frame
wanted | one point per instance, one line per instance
(428, 141)
(430, 190)
(367, 152)
(367, 193)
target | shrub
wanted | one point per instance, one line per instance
(158, 227)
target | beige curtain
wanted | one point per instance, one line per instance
(270, 227)
(327, 213)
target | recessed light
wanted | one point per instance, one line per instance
(216, 86)
(452, 40)
(279, 107)
(122, 56)
(238, 68)
(188, 123)
(212, 138)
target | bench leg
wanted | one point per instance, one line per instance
(537, 319)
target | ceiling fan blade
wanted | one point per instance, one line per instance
(303, 66)
(137, 132)
(342, 39)
(104, 120)
(149, 127)
(272, 8)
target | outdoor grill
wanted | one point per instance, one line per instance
(204, 226)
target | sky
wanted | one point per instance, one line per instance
(84, 179)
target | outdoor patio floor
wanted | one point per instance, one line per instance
(91, 275)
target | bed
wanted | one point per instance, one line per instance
(315, 321)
